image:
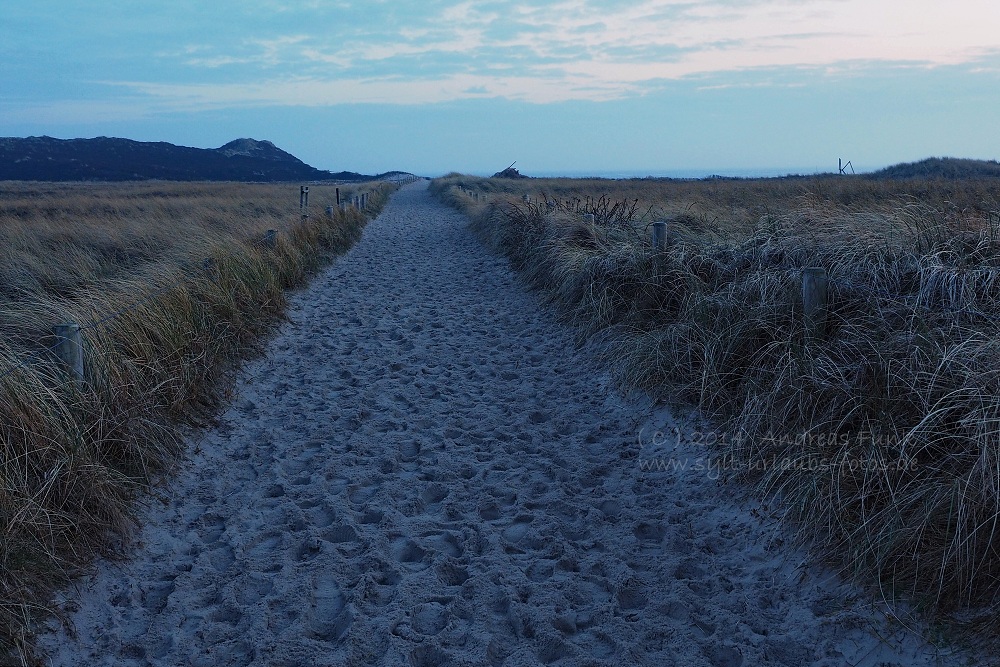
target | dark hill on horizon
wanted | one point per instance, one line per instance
(113, 159)
(941, 167)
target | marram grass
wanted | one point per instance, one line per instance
(879, 440)
(75, 459)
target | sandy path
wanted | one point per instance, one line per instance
(423, 471)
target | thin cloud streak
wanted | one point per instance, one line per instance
(396, 91)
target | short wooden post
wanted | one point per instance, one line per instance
(271, 239)
(343, 205)
(329, 211)
(303, 198)
(69, 349)
(814, 301)
(364, 200)
(589, 218)
(338, 196)
(660, 235)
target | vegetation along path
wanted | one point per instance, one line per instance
(426, 470)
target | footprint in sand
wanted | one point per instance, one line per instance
(329, 617)
(410, 554)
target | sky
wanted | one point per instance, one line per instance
(561, 87)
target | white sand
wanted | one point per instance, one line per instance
(424, 470)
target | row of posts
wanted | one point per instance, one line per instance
(359, 202)
(815, 293)
(815, 290)
(69, 347)
(69, 339)
(475, 195)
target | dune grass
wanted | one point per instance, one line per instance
(879, 439)
(172, 288)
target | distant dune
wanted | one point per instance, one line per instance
(938, 167)
(112, 159)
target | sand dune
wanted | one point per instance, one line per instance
(425, 470)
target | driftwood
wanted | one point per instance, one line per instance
(509, 172)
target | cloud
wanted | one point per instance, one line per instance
(671, 38)
(328, 52)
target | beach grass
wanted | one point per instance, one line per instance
(876, 436)
(173, 286)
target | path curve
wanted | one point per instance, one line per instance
(424, 470)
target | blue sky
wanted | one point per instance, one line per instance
(561, 87)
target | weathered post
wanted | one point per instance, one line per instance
(660, 235)
(271, 239)
(589, 218)
(814, 302)
(329, 211)
(69, 349)
(338, 196)
(303, 198)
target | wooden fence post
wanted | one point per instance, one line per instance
(589, 218)
(660, 235)
(271, 239)
(814, 301)
(70, 349)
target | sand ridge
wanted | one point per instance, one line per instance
(425, 470)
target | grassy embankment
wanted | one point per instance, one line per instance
(74, 459)
(878, 440)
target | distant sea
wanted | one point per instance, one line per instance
(673, 173)
(682, 173)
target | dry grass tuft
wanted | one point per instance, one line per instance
(881, 440)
